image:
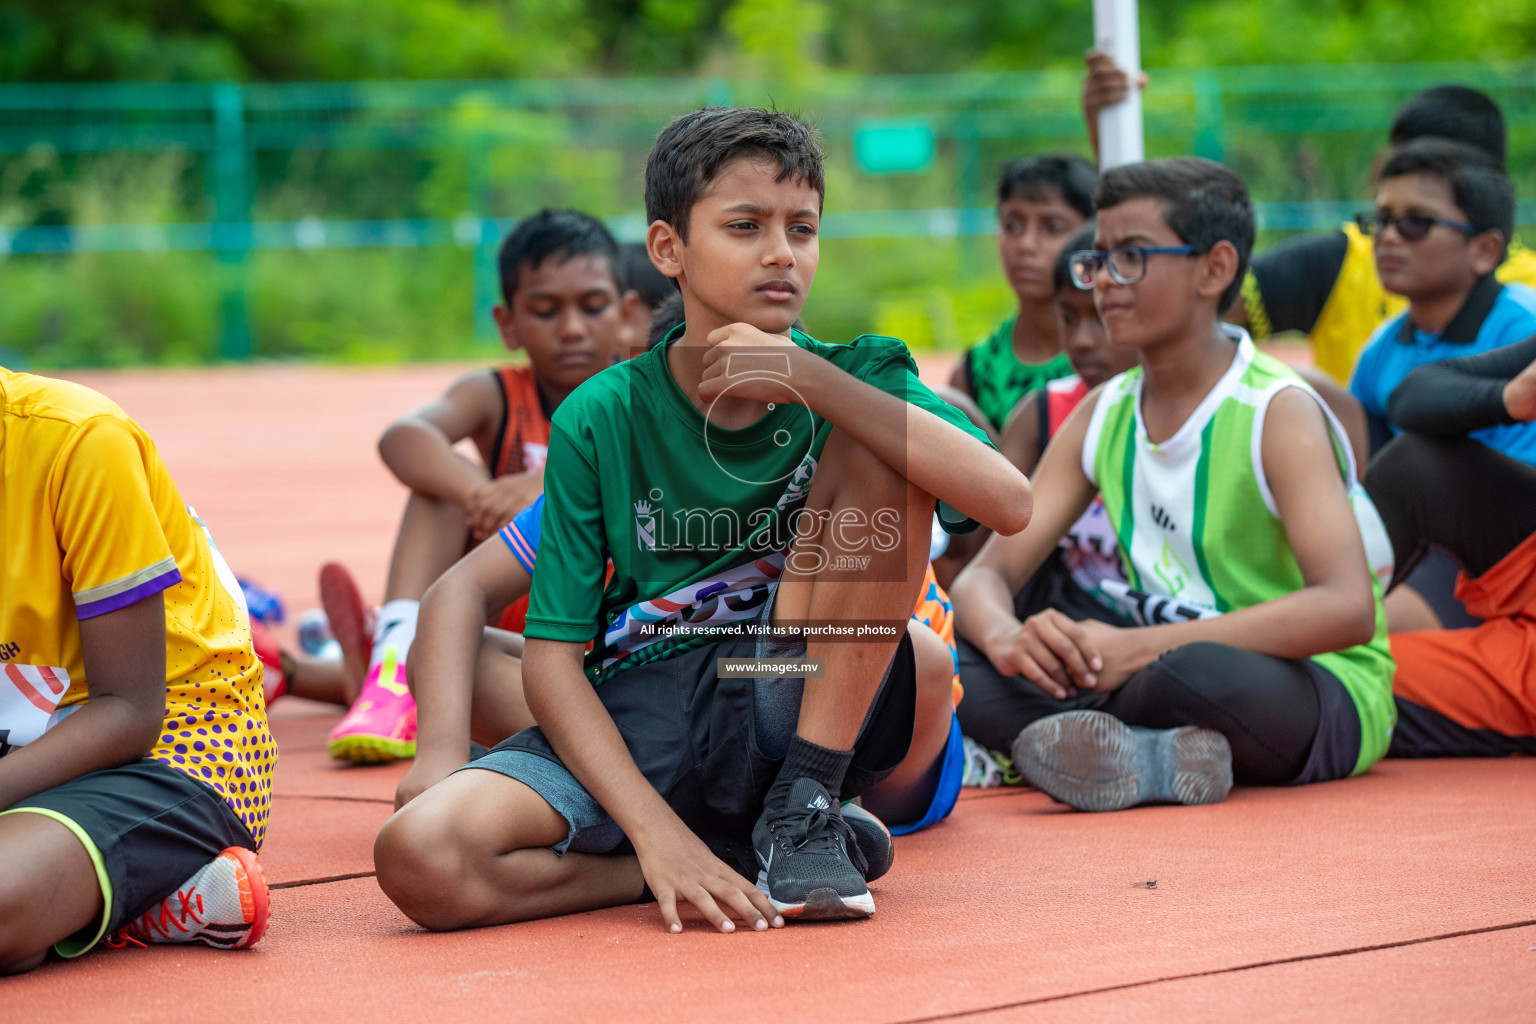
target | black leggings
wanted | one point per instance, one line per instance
(1270, 710)
(1454, 495)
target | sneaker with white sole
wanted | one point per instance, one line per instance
(224, 905)
(810, 865)
(1094, 762)
(986, 769)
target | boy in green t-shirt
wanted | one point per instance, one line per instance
(739, 492)
(1262, 657)
(1041, 201)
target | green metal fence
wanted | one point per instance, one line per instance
(275, 172)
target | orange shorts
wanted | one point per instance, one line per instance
(1483, 678)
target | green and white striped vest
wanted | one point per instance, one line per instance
(1197, 521)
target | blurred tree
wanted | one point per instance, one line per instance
(320, 40)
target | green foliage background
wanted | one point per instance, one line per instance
(340, 40)
(393, 303)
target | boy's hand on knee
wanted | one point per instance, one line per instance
(753, 364)
(493, 504)
(1050, 650)
(1121, 652)
(677, 865)
(425, 773)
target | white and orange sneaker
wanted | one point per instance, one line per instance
(381, 725)
(224, 905)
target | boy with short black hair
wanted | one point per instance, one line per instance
(135, 759)
(1466, 692)
(1070, 580)
(565, 305)
(744, 479)
(1325, 285)
(1263, 658)
(1041, 201)
(1444, 215)
(652, 289)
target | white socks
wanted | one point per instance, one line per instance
(395, 630)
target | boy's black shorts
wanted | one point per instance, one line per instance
(695, 736)
(147, 828)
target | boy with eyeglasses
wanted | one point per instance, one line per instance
(1261, 657)
(1324, 285)
(1444, 214)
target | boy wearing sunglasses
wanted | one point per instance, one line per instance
(1261, 655)
(1444, 214)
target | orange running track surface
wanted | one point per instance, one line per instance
(1406, 895)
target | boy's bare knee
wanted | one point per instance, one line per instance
(851, 462)
(21, 964)
(849, 474)
(422, 866)
(935, 665)
(18, 951)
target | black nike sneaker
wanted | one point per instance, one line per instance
(873, 840)
(809, 861)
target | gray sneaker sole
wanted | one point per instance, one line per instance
(823, 905)
(1092, 761)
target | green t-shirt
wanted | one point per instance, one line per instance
(996, 379)
(696, 519)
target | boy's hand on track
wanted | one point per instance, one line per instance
(677, 865)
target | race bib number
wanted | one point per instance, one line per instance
(29, 702)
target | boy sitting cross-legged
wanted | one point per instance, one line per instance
(466, 696)
(565, 306)
(1264, 657)
(742, 473)
(135, 759)
(1444, 215)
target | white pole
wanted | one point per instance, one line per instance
(1117, 32)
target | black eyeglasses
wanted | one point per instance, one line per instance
(1126, 264)
(1411, 227)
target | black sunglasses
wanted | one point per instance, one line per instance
(1411, 227)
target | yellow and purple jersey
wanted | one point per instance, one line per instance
(93, 523)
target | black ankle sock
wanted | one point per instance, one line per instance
(805, 760)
